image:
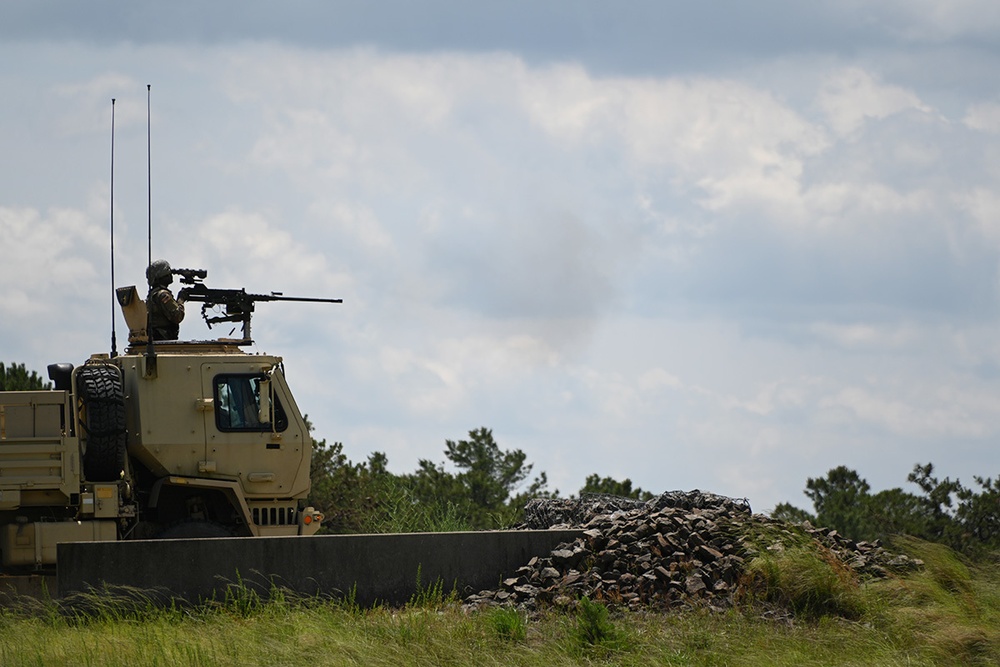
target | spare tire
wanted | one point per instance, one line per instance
(99, 391)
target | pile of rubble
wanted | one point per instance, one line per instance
(674, 549)
(868, 559)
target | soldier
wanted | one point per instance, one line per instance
(165, 312)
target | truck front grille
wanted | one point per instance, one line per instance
(275, 516)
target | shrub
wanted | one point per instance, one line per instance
(594, 629)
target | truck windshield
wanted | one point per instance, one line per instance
(237, 405)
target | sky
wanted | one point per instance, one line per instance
(722, 246)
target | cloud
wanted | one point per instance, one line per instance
(87, 104)
(984, 116)
(852, 96)
(725, 145)
(732, 142)
(49, 256)
(930, 21)
(56, 297)
(983, 205)
(871, 336)
(236, 240)
(919, 412)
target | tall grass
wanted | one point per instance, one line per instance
(327, 634)
(401, 512)
(507, 623)
(946, 614)
(809, 583)
(952, 606)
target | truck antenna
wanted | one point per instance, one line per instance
(149, 183)
(114, 342)
(150, 350)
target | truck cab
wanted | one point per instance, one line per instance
(216, 436)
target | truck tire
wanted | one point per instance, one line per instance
(99, 390)
(194, 529)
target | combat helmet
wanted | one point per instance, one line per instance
(158, 273)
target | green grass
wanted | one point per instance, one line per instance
(507, 623)
(404, 513)
(946, 614)
(808, 583)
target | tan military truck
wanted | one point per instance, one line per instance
(177, 439)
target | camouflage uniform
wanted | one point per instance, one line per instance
(165, 313)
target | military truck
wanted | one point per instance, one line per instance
(171, 439)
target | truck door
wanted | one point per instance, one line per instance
(244, 441)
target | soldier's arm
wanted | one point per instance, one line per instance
(171, 308)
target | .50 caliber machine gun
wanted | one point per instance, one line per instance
(239, 305)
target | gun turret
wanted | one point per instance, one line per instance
(238, 303)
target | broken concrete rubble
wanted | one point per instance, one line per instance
(676, 549)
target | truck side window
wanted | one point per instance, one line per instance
(237, 404)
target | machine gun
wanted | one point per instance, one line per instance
(239, 305)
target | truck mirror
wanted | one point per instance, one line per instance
(264, 409)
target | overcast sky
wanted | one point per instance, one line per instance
(724, 246)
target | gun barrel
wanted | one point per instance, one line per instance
(278, 296)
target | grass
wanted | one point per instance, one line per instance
(404, 513)
(952, 607)
(326, 634)
(946, 614)
(507, 624)
(808, 583)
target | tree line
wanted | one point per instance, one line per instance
(943, 510)
(489, 487)
(15, 377)
(486, 487)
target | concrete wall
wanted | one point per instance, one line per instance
(382, 568)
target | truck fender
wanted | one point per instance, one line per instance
(227, 489)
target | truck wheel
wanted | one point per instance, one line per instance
(194, 529)
(99, 389)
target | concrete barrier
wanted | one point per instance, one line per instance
(372, 568)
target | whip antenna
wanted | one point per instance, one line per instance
(150, 351)
(149, 183)
(114, 341)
